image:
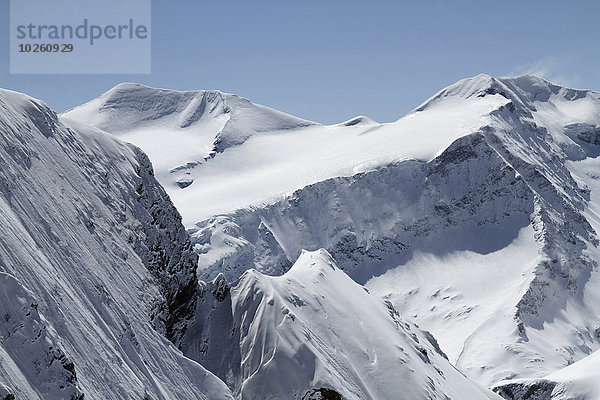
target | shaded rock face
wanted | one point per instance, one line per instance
(212, 337)
(538, 390)
(587, 136)
(322, 394)
(164, 247)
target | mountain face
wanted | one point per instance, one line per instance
(580, 379)
(96, 270)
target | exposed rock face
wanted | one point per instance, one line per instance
(322, 394)
(540, 390)
(164, 247)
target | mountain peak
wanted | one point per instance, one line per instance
(532, 88)
(317, 261)
(358, 120)
(477, 86)
(21, 101)
(525, 89)
(128, 88)
(209, 121)
(315, 307)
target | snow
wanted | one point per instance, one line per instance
(84, 309)
(270, 165)
(462, 294)
(579, 380)
(314, 327)
(368, 224)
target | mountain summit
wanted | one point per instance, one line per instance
(180, 129)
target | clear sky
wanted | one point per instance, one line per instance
(330, 60)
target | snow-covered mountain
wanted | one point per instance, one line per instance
(274, 162)
(180, 130)
(313, 333)
(96, 270)
(475, 215)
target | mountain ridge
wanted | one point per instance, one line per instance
(287, 326)
(94, 263)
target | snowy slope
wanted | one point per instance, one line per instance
(95, 267)
(180, 130)
(315, 330)
(268, 166)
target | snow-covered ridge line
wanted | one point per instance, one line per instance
(285, 157)
(314, 330)
(138, 104)
(526, 88)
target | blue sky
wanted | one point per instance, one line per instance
(331, 60)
